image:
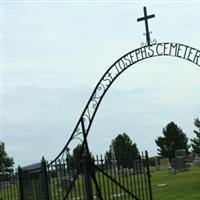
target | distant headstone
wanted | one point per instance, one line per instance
(190, 158)
(197, 160)
(164, 162)
(180, 153)
(196, 163)
(180, 163)
(197, 157)
(157, 161)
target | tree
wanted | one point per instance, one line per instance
(6, 163)
(196, 141)
(75, 160)
(77, 157)
(174, 138)
(124, 150)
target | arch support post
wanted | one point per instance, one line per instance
(87, 178)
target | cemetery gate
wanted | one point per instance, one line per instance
(87, 177)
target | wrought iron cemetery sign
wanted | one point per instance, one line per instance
(96, 178)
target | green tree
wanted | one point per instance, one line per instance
(124, 150)
(196, 141)
(6, 162)
(174, 138)
(75, 160)
(77, 157)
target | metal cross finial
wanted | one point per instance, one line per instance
(145, 18)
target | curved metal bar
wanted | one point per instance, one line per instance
(155, 50)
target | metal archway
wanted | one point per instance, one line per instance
(178, 50)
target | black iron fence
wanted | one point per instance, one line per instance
(89, 178)
(9, 185)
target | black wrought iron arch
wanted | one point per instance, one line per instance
(155, 50)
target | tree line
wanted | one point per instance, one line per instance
(122, 147)
(173, 139)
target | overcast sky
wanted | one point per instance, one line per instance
(53, 55)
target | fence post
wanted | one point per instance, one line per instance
(21, 193)
(45, 179)
(149, 175)
(87, 178)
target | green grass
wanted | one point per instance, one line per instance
(8, 192)
(181, 186)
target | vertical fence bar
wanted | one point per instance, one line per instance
(17, 182)
(74, 176)
(96, 172)
(64, 185)
(21, 193)
(111, 174)
(79, 178)
(103, 177)
(87, 180)
(60, 178)
(145, 178)
(107, 180)
(83, 189)
(57, 181)
(1, 190)
(7, 188)
(134, 180)
(52, 183)
(49, 180)
(119, 178)
(70, 177)
(141, 176)
(137, 178)
(10, 186)
(130, 174)
(127, 174)
(123, 177)
(4, 188)
(148, 175)
(45, 179)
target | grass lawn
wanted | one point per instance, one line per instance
(182, 186)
